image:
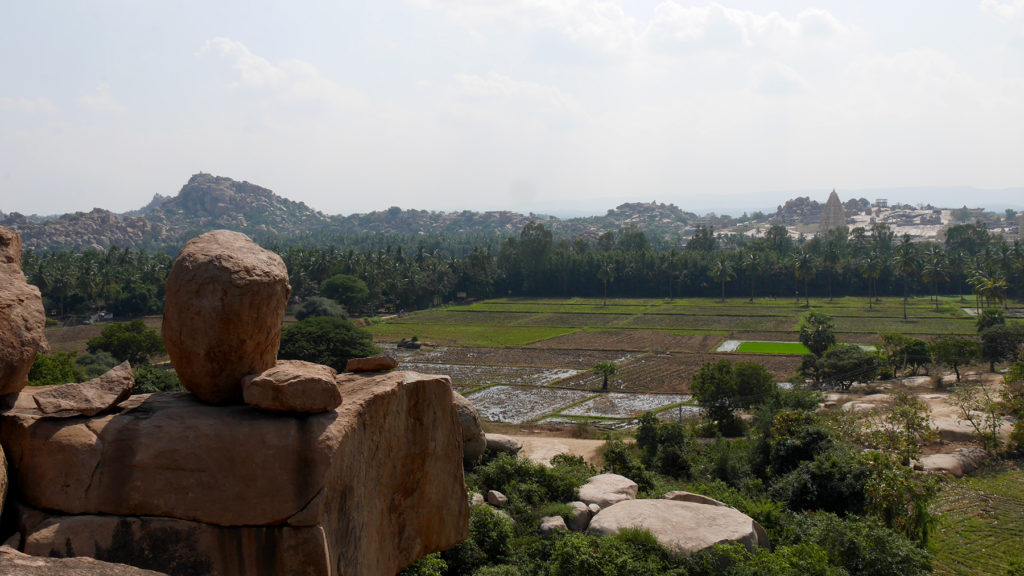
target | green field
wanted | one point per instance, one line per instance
(981, 520)
(773, 348)
(515, 321)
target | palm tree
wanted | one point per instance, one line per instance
(803, 263)
(607, 370)
(721, 272)
(753, 265)
(871, 268)
(935, 270)
(606, 274)
(907, 264)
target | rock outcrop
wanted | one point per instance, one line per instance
(17, 563)
(474, 442)
(366, 488)
(371, 364)
(607, 489)
(293, 386)
(22, 319)
(684, 528)
(500, 443)
(222, 320)
(91, 397)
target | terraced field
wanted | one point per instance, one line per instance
(980, 524)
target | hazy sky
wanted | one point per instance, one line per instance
(525, 105)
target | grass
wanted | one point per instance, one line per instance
(519, 321)
(980, 524)
(773, 348)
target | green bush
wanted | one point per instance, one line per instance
(149, 378)
(318, 306)
(329, 341)
(620, 459)
(429, 565)
(131, 341)
(834, 482)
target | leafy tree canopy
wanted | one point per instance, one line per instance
(323, 340)
(817, 332)
(347, 290)
(131, 341)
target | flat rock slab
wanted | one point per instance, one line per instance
(293, 386)
(179, 546)
(371, 364)
(381, 473)
(607, 489)
(14, 562)
(684, 528)
(91, 397)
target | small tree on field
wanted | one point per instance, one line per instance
(845, 364)
(346, 290)
(722, 388)
(131, 341)
(323, 340)
(990, 317)
(606, 370)
(1000, 342)
(817, 332)
(954, 351)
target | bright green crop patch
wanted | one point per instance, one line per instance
(773, 348)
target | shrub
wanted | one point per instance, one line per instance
(834, 482)
(56, 368)
(329, 341)
(149, 378)
(619, 459)
(318, 306)
(131, 341)
(429, 565)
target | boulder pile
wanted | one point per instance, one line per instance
(315, 473)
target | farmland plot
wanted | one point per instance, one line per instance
(533, 357)
(469, 376)
(618, 405)
(518, 404)
(635, 340)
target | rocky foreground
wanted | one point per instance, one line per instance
(261, 468)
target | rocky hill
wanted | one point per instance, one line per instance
(210, 202)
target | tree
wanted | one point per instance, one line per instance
(721, 388)
(817, 332)
(346, 290)
(804, 265)
(318, 306)
(131, 341)
(1000, 343)
(606, 274)
(606, 370)
(844, 364)
(954, 351)
(916, 354)
(324, 340)
(56, 368)
(721, 272)
(906, 264)
(990, 317)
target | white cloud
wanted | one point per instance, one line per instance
(294, 81)
(27, 105)
(101, 99)
(1010, 11)
(502, 87)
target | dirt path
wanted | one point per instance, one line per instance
(543, 449)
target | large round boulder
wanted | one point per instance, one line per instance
(683, 528)
(607, 489)
(474, 442)
(22, 319)
(222, 321)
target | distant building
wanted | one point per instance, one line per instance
(881, 203)
(833, 216)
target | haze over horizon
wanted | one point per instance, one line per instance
(557, 106)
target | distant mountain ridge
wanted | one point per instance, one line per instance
(207, 202)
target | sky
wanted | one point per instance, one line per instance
(570, 106)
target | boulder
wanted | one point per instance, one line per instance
(376, 481)
(681, 496)
(500, 443)
(957, 463)
(684, 528)
(496, 499)
(22, 319)
(91, 397)
(476, 500)
(607, 489)
(594, 509)
(293, 386)
(371, 364)
(579, 517)
(14, 562)
(3, 480)
(474, 443)
(551, 524)
(10, 247)
(225, 301)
